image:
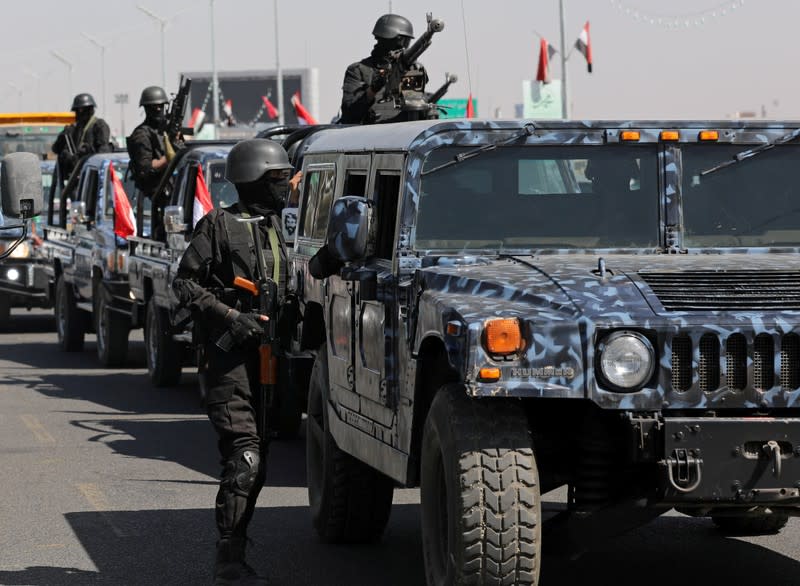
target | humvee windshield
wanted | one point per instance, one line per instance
(753, 203)
(537, 197)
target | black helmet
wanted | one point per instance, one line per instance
(390, 26)
(83, 101)
(250, 159)
(153, 95)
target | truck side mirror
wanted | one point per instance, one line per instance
(21, 185)
(351, 229)
(173, 220)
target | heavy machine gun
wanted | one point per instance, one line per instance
(403, 97)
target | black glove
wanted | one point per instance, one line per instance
(378, 81)
(242, 326)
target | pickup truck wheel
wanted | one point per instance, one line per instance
(766, 524)
(5, 310)
(112, 331)
(480, 495)
(70, 321)
(164, 355)
(350, 502)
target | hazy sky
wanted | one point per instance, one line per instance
(711, 66)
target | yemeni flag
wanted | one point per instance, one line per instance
(303, 116)
(546, 52)
(272, 111)
(470, 107)
(197, 119)
(124, 223)
(584, 45)
(227, 109)
(202, 198)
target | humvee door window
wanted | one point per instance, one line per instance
(223, 192)
(754, 203)
(387, 190)
(317, 199)
(355, 184)
(541, 197)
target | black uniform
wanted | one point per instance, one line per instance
(145, 144)
(221, 249)
(90, 137)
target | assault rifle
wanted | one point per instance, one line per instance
(266, 289)
(177, 111)
(403, 96)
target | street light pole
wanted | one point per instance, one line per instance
(214, 79)
(121, 99)
(102, 48)
(38, 79)
(278, 72)
(163, 25)
(64, 60)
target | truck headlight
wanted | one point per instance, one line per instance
(12, 275)
(626, 359)
(21, 251)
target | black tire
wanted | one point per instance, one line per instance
(350, 502)
(112, 331)
(164, 355)
(479, 488)
(5, 310)
(70, 321)
(766, 524)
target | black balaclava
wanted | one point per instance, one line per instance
(155, 115)
(385, 46)
(265, 195)
(83, 115)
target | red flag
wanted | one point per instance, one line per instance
(124, 223)
(198, 116)
(303, 115)
(546, 52)
(227, 108)
(202, 197)
(584, 45)
(272, 111)
(470, 107)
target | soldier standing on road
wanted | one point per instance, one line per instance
(222, 249)
(148, 149)
(88, 135)
(364, 80)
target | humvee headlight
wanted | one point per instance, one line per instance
(502, 336)
(626, 360)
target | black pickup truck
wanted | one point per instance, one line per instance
(153, 260)
(88, 262)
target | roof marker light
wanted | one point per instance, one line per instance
(708, 135)
(630, 135)
(670, 135)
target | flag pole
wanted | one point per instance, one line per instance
(564, 94)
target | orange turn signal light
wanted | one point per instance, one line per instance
(503, 336)
(489, 374)
(708, 135)
(630, 135)
(670, 135)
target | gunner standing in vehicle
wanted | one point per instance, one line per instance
(88, 135)
(364, 80)
(221, 249)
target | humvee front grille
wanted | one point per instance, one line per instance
(724, 290)
(711, 367)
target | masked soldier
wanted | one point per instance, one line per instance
(221, 249)
(88, 135)
(364, 80)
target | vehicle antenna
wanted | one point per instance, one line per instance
(466, 49)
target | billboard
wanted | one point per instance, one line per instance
(456, 107)
(245, 89)
(541, 100)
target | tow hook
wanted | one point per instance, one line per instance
(773, 451)
(684, 470)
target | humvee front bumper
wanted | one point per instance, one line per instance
(725, 461)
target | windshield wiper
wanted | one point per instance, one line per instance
(739, 157)
(526, 130)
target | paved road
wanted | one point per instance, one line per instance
(110, 481)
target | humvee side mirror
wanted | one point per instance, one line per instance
(21, 185)
(77, 212)
(173, 220)
(351, 229)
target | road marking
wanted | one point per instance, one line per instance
(99, 503)
(37, 429)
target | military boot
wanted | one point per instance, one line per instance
(230, 568)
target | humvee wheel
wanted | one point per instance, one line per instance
(766, 524)
(479, 486)
(164, 355)
(112, 331)
(70, 321)
(350, 502)
(5, 310)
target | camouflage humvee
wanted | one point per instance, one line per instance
(504, 308)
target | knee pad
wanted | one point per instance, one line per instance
(241, 472)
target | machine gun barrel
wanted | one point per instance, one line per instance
(438, 94)
(419, 46)
(177, 110)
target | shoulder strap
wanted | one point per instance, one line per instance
(86, 128)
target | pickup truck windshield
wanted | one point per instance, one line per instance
(538, 197)
(754, 203)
